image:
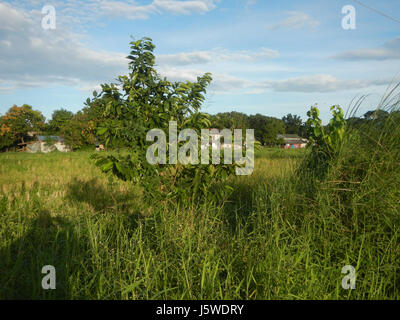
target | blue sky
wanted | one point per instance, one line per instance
(269, 57)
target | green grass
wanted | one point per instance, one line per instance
(271, 240)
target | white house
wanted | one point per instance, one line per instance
(42, 144)
(292, 141)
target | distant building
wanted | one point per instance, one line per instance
(47, 144)
(292, 141)
(218, 136)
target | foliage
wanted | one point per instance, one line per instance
(266, 129)
(140, 102)
(6, 137)
(325, 141)
(293, 124)
(78, 132)
(60, 118)
(373, 118)
(16, 124)
(230, 120)
(354, 165)
(378, 114)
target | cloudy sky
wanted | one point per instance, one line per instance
(271, 57)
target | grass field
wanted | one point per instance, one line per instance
(269, 241)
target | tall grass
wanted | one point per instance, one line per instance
(273, 239)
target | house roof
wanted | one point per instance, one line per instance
(55, 138)
(288, 136)
(295, 142)
(292, 139)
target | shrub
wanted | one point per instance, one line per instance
(142, 101)
(358, 167)
(325, 142)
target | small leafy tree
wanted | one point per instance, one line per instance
(142, 101)
(293, 124)
(230, 120)
(17, 122)
(267, 129)
(325, 142)
(59, 119)
(78, 132)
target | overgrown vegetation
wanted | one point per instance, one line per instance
(273, 239)
(285, 232)
(105, 243)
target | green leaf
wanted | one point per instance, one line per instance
(108, 166)
(102, 131)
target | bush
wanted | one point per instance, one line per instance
(355, 172)
(140, 102)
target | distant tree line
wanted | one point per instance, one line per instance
(80, 129)
(19, 125)
(266, 129)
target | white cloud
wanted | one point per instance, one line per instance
(222, 82)
(131, 10)
(177, 74)
(31, 56)
(244, 55)
(227, 84)
(118, 9)
(319, 83)
(77, 12)
(297, 20)
(197, 57)
(184, 7)
(216, 55)
(389, 51)
(6, 90)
